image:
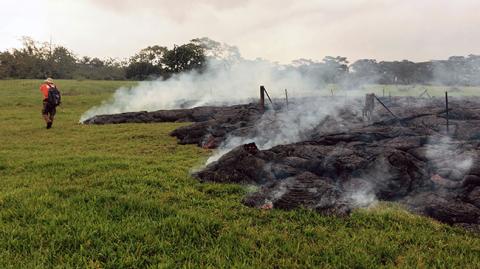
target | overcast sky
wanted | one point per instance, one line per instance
(278, 30)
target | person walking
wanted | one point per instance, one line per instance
(51, 99)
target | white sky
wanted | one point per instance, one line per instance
(278, 30)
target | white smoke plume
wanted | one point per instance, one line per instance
(286, 126)
(448, 158)
(364, 197)
(221, 83)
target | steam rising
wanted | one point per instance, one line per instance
(285, 126)
(222, 83)
(448, 158)
(363, 197)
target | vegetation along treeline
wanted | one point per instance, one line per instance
(38, 60)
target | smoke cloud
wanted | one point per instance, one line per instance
(287, 125)
(222, 83)
(448, 159)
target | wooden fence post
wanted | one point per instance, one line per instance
(262, 98)
(286, 97)
(446, 108)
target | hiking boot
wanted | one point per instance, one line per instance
(49, 125)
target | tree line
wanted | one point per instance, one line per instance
(39, 60)
(36, 60)
(456, 70)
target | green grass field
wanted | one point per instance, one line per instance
(120, 196)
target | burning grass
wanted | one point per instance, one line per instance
(121, 196)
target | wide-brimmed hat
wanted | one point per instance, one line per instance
(49, 80)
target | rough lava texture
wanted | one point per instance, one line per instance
(344, 162)
(210, 124)
(410, 159)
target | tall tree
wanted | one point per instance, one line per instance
(184, 58)
(217, 50)
(62, 63)
(151, 54)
